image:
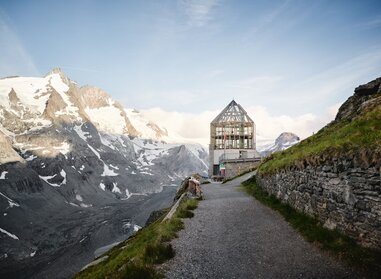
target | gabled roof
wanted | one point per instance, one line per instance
(233, 113)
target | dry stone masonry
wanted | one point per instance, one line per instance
(341, 195)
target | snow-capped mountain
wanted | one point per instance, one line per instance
(284, 141)
(74, 165)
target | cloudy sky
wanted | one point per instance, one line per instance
(289, 63)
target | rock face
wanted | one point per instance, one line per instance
(7, 153)
(342, 190)
(284, 141)
(74, 171)
(366, 97)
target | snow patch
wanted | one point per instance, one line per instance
(114, 167)
(2, 176)
(107, 171)
(95, 152)
(108, 119)
(115, 188)
(63, 174)
(9, 234)
(106, 141)
(85, 205)
(145, 126)
(128, 195)
(103, 187)
(83, 135)
(78, 197)
(64, 148)
(31, 158)
(29, 90)
(10, 201)
(47, 178)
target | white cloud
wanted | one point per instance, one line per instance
(198, 11)
(271, 126)
(195, 127)
(14, 59)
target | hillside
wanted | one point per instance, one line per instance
(334, 176)
(355, 133)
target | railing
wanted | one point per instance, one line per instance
(234, 158)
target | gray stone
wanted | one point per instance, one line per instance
(349, 197)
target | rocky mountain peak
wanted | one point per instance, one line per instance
(366, 97)
(59, 71)
(286, 137)
(282, 142)
(55, 71)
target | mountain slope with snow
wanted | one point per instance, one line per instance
(69, 153)
(284, 141)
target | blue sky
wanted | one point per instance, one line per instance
(289, 58)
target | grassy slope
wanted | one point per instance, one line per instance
(362, 133)
(331, 240)
(137, 256)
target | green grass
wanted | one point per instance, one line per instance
(312, 230)
(363, 133)
(137, 256)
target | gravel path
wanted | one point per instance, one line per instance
(234, 236)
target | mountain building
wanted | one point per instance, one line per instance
(232, 148)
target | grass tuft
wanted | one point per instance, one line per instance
(137, 271)
(137, 256)
(341, 246)
(157, 253)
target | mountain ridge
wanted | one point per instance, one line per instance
(78, 169)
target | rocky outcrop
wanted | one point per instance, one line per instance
(159, 132)
(7, 153)
(366, 97)
(54, 104)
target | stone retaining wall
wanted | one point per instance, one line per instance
(233, 169)
(339, 195)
